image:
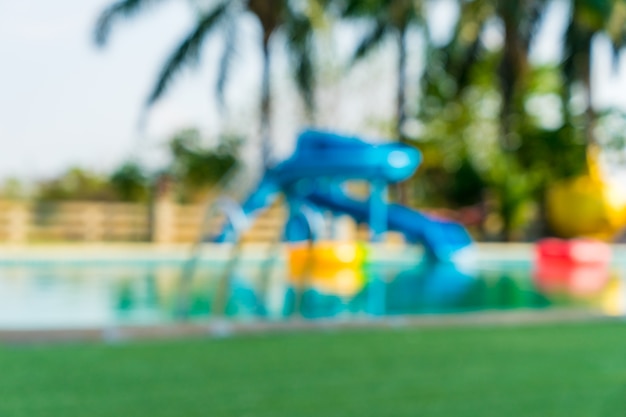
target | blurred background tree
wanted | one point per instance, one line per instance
(493, 121)
(497, 129)
(293, 18)
(387, 19)
(195, 168)
(589, 19)
(77, 184)
(131, 182)
(13, 189)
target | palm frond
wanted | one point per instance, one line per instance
(576, 44)
(230, 44)
(467, 63)
(531, 25)
(300, 43)
(361, 8)
(118, 10)
(188, 51)
(465, 48)
(616, 50)
(616, 31)
(370, 41)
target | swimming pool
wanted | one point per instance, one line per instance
(74, 292)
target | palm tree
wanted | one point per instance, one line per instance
(387, 18)
(293, 18)
(465, 55)
(466, 66)
(589, 19)
(521, 20)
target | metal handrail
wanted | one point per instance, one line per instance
(236, 216)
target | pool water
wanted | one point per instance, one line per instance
(98, 294)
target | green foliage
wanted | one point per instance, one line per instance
(493, 123)
(77, 184)
(460, 133)
(466, 186)
(194, 166)
(12, 189)
(610, 135)
(130, 183)
(512, 122)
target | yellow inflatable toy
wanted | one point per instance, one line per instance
(329, 267)
(587, 206)
(343, 282)
(613, 300)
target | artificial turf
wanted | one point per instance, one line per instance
(566, 370)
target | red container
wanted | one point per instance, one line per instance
(578, 267)
(575, 251)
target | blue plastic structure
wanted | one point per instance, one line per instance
(312, 178)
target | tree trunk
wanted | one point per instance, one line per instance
(269, 13)
(266, 144)
(402, 188)
(401, 93)
(513, 73)
(590, 114)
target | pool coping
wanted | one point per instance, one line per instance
(148, 252)
(221, 328)
(183, 250)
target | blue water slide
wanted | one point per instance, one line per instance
(441, 238)
(263, 196)
(320, 155)
(310, 179)
(323, 158)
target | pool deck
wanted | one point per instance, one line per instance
(217, 328)
(147, 252)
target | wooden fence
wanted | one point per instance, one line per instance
(163, 222)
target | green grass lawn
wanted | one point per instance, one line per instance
(567, 370)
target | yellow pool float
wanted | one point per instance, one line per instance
(614, 300)
(325, 255)
(329, 267)
(587, 206)
(344, 282)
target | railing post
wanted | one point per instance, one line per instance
(163, 212)
(93, 222)
(18, 223)
(163, 221)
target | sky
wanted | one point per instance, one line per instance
(64, 102)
